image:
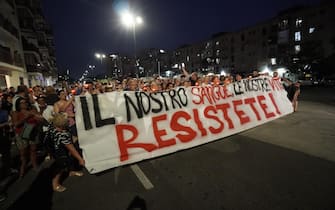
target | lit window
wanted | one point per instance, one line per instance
(217, 60)
(198, 55)
(217, 43)
(188, 58)
(273, 61)
(283, 24)
(298, 22)
(217, 52)
(297, 49)
(311, 30)
(297, 36)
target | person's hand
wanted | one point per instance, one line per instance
(27, 113)
(82, 162)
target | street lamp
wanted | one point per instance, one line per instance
(115, 66)
(130, 21)
(100, 56)
(161, 51)
(91, 67)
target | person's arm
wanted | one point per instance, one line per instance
(66, 104)
(56, 108)
(75, 153)
(296, 94)
(4, 124)
(288, 82)
(36, 114)
(16, 119)
(185, 72)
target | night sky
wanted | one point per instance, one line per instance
(83, 27)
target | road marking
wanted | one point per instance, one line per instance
(142, 177)
(116, 174)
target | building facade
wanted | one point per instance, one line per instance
(38, 43)
(12, 67)
(295, 39)
(27, 50)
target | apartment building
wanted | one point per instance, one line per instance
(12, 68)
(295, 39)
(38, 43)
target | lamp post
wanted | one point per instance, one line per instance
(100, 56)
(158, 61)
(130, 21)
(115, 68)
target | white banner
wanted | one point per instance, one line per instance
(119, 128)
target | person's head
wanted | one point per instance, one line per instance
(238, 77)
(60, 120)
(187, 83)
(176, 82)
(62, 94)
(146, 87)
(21, 104)
(255, 73)
(182, 78)
(7, 97)
(194, 76)
(216, 80)
(89, 85)
(154, 87)
(11, 89)
(37, 91)
(132, 85)
(169, 86)
(41, 101)
(50, 90)
(22, 89)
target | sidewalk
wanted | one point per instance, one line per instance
(20, 186)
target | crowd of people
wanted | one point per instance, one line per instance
(31, 117)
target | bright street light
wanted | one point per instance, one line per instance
(139, 20)
(100, 56)
(130, 20)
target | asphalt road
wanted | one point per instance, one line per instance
(288, 163)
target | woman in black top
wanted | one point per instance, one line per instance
(62, 148)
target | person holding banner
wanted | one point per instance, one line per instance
(293, 92)
(62, 147)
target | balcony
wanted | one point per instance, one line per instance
(28, 46)
(5, 24)
(18, 60)
(26, 4)
(27, 24)
(42, 43)
(5, 55)
(34, 68)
